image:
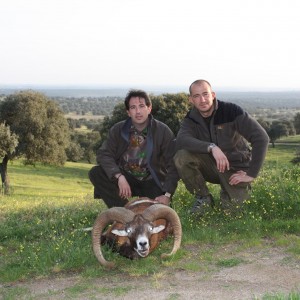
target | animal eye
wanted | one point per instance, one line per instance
(128, 230)
(151, 228)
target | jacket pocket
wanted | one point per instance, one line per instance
(239, 158)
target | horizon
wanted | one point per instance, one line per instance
(177, 88)
(121, 91)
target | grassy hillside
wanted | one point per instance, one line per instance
(48, 181)
(290, 139)
(41, 221)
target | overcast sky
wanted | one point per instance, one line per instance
(234, 44)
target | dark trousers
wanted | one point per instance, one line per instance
(108, 190)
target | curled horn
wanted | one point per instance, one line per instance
(161, 211)
(118, 214)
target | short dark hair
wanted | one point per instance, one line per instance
(198, 81)
(137, 93)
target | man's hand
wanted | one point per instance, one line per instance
(240, 176)
(124, 187)
(163, 200)
(220, 158)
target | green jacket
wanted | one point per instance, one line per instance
(237, 134)
(160, 152)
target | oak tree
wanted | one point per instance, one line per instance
(42, 130)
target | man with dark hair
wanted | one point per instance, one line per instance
(137, 157)
(218, 142)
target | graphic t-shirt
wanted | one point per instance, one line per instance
(135, 158)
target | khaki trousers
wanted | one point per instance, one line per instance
(197, 169)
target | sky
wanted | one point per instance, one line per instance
(234, 44)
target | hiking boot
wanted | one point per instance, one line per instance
(202, 205)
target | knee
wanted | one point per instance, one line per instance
(93, 173)
(182, 158)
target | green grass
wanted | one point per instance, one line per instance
(229, 262)
(290, 139)
(41, 222)
(49, 181)
(290, 296)
(282, 154)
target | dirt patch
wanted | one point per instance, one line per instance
(268, 271)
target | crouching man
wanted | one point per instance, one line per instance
(137, 157)
(220, 143)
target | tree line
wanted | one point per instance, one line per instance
(34, 127)
(88, 105)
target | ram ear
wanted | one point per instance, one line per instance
(159, 228)
(120, 232)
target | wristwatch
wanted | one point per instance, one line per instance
(211, 146)
(167, 195)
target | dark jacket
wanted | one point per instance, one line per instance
(237, 134)
(160, 152)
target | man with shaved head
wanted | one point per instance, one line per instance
(220, 143)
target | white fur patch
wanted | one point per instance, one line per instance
(140, 201)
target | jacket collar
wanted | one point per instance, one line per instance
(125, 131)
(196, 117)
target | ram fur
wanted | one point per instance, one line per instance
(136, 229)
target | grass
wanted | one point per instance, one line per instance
(290, 296)
(229, 262)
(290, 139)
(41, 222)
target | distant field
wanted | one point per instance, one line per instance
(281, 154)
(67, 181)
(284, 151)
(290, 139)
(86, 116)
